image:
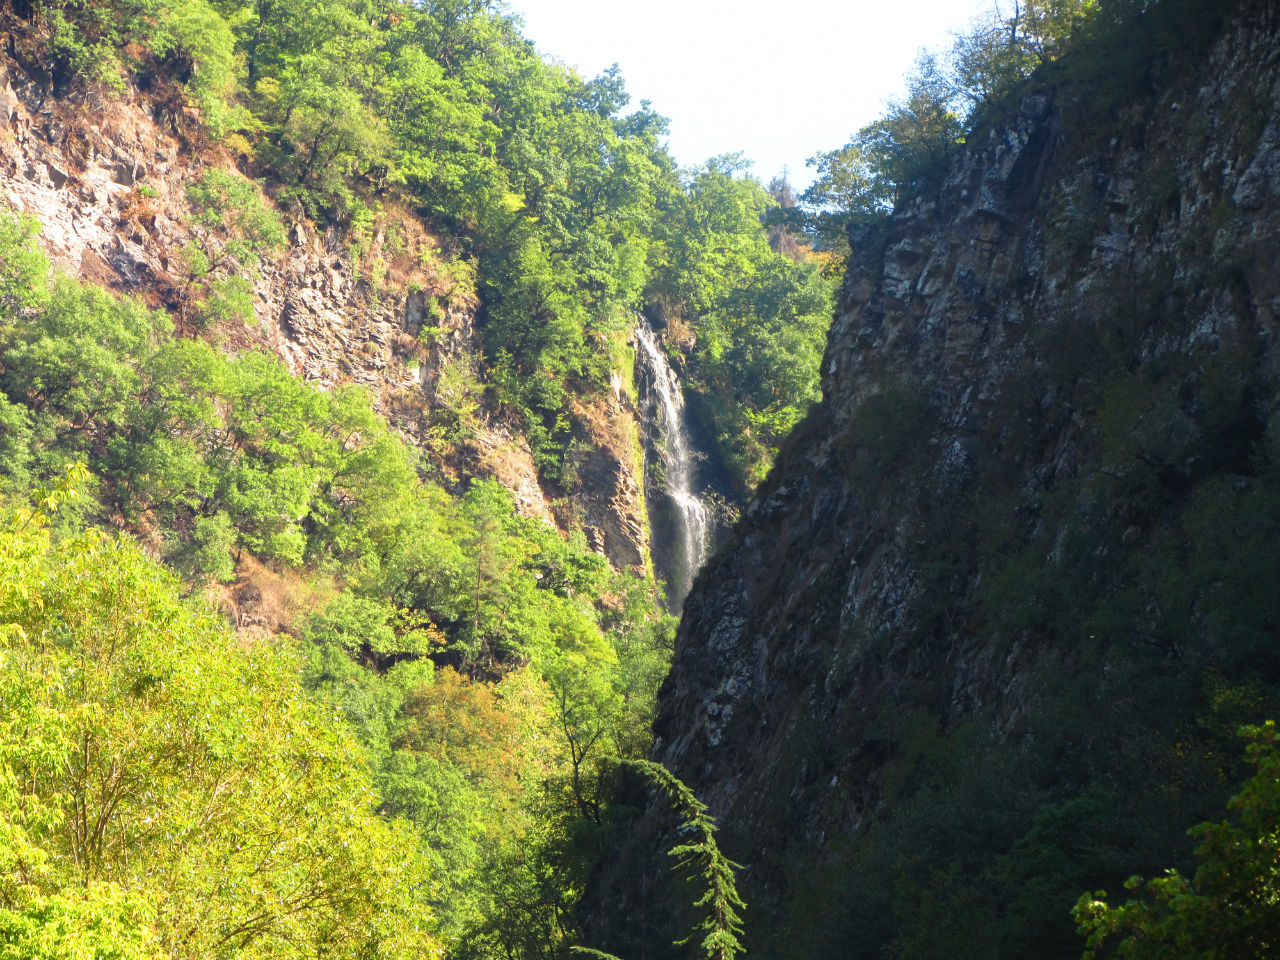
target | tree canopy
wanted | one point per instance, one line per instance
(1228, 908)
(166, 789)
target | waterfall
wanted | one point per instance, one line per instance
(669, 442)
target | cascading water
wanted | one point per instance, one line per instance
(669, 441)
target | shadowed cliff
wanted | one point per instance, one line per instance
(985, 636)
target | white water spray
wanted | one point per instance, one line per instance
(675, 452)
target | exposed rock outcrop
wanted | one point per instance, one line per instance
(610, 499)
(107, 180)
(962, 373)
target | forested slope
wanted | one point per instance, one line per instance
(560, 209)
(325, 308)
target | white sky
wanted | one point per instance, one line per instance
(777, 81)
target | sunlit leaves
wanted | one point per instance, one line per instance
(1229, 908)
(759, 317)
(145, 750)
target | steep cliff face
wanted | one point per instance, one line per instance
(107, 178)
(1053, 381)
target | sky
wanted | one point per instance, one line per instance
(777, 81)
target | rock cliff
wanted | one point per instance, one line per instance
(1053, 360)
(106, 178)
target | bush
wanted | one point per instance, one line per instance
(194, 31)
(240, 225)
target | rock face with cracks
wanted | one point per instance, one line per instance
(106, 179)
(960, 375)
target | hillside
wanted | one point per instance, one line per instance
(109, 188)
(330, 598)
(984, 638)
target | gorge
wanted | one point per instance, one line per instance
(374, 390)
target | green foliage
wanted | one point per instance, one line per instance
(234, 455)
(913, 141)
(990, 843)
(235, 230)
(24, 270)
(436, 612)
(100, 921)
(327, 132)
(238, 224)
(16, 452)
(991, 60)
(1228, 908)
(905, 152)
(760, 317)
(195, 32)
(506, 780)
(85, 39)
(849, 191)
(94, 42)
(228, 300)
(212, 540)
(148, 763)
(574, 212)
(722, 926)
(75, 363)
